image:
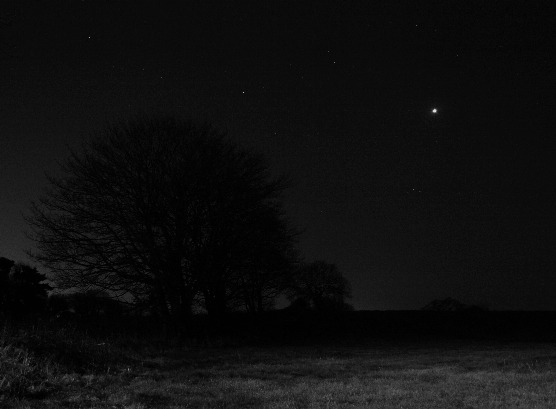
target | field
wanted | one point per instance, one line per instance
(65, 369)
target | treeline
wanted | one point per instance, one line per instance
(317, 287)
(24, 293)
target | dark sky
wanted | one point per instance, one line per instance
(410, 205)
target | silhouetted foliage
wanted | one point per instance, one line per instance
(322, 287)
(29, 291)
(94, 303)
(261, 286)
(163, 210)
(22, 288)
(5, 268)
(298, 305)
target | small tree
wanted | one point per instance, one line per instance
(322, 286)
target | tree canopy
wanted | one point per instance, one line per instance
(164, 210)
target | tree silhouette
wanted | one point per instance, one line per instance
(22, 288)
(162, 210)
(322, 286)
(28, 290)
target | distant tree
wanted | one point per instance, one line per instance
(162, 210)
(322, 286)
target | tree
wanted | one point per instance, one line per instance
(322, 286)
(29, 293)
(22, 288)
(161, 210)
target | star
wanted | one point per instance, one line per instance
(434, 110)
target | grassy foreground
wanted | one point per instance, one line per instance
(60, 369)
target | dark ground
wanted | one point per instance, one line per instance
(307, 328)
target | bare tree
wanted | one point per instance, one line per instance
(161, 210)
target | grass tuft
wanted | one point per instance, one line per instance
(21, 374)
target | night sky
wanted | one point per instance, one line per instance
(411, 205)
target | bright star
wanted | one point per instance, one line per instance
(434, 110)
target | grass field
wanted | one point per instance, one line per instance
(82, 372)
